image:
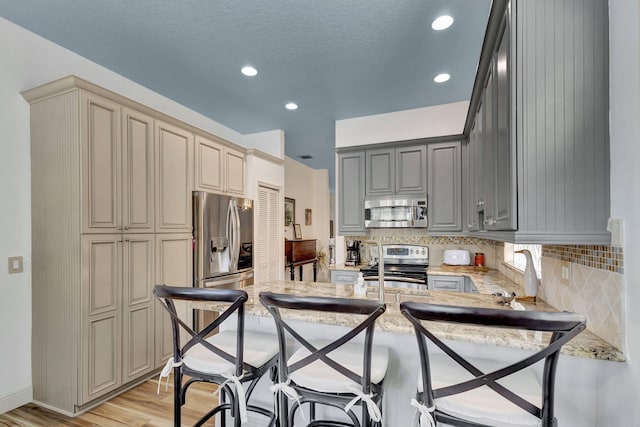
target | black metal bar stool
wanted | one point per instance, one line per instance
(338, 373)
(229, 358)
(468, 392)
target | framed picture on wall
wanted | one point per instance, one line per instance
(296, 231)
(307, 217)
(289, 211)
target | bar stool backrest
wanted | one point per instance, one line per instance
(236, 298)
(563, 326)
(372, 309)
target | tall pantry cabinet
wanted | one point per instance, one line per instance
(111, 216)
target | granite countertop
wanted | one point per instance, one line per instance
(343, 267)
(585, 345)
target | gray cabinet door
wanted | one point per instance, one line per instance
(344, 277)
(489, 147)
(380, 170)
(445, 189)
(351, 193)
(446, 283)
(504, 208)
(472, 170)
(411, 170)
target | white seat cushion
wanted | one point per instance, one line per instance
(483, 405)
(321, 377)
(258, 350)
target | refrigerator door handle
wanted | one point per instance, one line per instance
(233, 223)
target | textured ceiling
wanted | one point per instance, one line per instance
(336, 58)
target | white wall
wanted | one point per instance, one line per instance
(271, 142)
(439, 120)
(310, 189)
(27, 61)
(620, 388)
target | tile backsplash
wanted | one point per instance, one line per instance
(437, 245)
(597, 293)
(601, 257)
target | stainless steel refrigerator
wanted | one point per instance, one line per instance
(222, 241)
(222, 245)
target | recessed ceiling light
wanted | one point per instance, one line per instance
(291, 106)
(441, 78)
(442, 22)
(249, 71)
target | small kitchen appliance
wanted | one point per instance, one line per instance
(353, 253)
(456, 257)
(395, 212)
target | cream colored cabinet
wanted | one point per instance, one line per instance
(101, 163)
(117, 319)
(218, 168)
(138, 272)
(101, 315)
(111, 217)
(117, 167)
(174, 267)
(174, 178)
(137, 172)
(234, 171)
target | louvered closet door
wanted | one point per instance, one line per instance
(269, 242)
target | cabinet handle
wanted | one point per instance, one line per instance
(126, 228)
(118, 228)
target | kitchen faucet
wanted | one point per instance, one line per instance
(380, 268)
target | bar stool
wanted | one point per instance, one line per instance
(462, 391)
(228, 358)
(337, 373)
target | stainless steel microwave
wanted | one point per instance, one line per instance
(395, 212)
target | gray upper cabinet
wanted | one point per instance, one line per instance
(504, 199)
(562, 120)
(400, 170)
(541, 133)
(411, 170)
(351, 193)
(445, 189)
(380, 169)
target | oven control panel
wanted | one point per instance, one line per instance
(406, 253)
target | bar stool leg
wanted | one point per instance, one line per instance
(223, 413)
(177, 401)
(312, 411)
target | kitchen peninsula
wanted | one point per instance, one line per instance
(575, 392)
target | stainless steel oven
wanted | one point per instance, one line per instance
(405, 266)
(395, 212)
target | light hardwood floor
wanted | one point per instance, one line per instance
(140, 406)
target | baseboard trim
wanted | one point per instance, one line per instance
(16, 400)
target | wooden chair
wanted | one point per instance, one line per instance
(229, 358)
(468, 392)
(338, 373)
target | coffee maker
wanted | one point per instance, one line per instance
(353, 252)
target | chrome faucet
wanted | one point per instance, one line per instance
(380, 267)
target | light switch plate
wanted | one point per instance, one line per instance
(15, 264)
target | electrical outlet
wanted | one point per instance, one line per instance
(565, 272)
(15, 264)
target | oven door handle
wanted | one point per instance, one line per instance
(395, 279)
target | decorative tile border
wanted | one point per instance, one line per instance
(607, 258)
(400, 236)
